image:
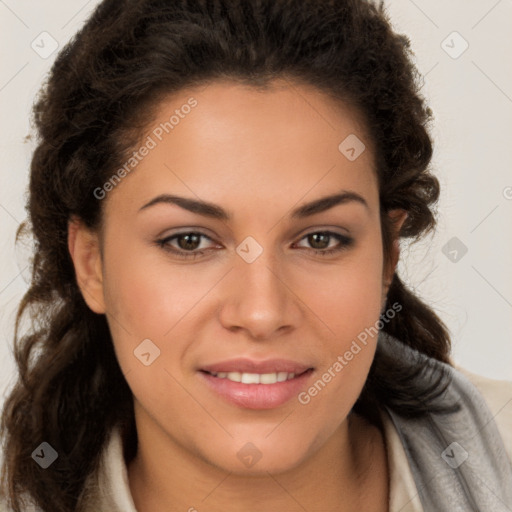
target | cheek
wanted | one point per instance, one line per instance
(146, 295)
(348, 301)
(348, 296)
(149, 300)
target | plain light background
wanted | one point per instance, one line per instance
(464, 271)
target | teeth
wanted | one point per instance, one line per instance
(282, 376)
(250, 378)
(268, 378)
(255, 378)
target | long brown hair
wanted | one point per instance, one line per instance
(100, 95)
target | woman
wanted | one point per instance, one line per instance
(217, 200)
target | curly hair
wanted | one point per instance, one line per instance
(100, 95)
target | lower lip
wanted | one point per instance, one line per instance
(257, 396)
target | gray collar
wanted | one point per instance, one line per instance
(458, 459)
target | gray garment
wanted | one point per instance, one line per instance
(458, 459)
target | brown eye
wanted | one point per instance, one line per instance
(184, 245)
(319, 242)
(188, 241)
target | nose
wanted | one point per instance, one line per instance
(259, 300)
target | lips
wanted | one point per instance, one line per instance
(252, 384)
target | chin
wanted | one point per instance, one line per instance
(259, 456)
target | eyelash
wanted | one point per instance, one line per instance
(344, 243)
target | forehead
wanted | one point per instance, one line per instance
(249, 115)
(233, 139)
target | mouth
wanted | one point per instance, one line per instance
(257, 378)
(252, 390)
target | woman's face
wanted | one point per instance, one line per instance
(249, 273)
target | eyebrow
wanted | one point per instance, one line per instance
(216, 212)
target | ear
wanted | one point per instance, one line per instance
(397, 217)
(84, 248)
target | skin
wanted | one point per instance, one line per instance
(258, 155)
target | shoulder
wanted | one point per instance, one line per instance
(498, 396)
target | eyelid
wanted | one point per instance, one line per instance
(323, 229)
(344, 242)
(199, 233)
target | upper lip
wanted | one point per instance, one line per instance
(244, 365)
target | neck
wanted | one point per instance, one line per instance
(336, 478)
